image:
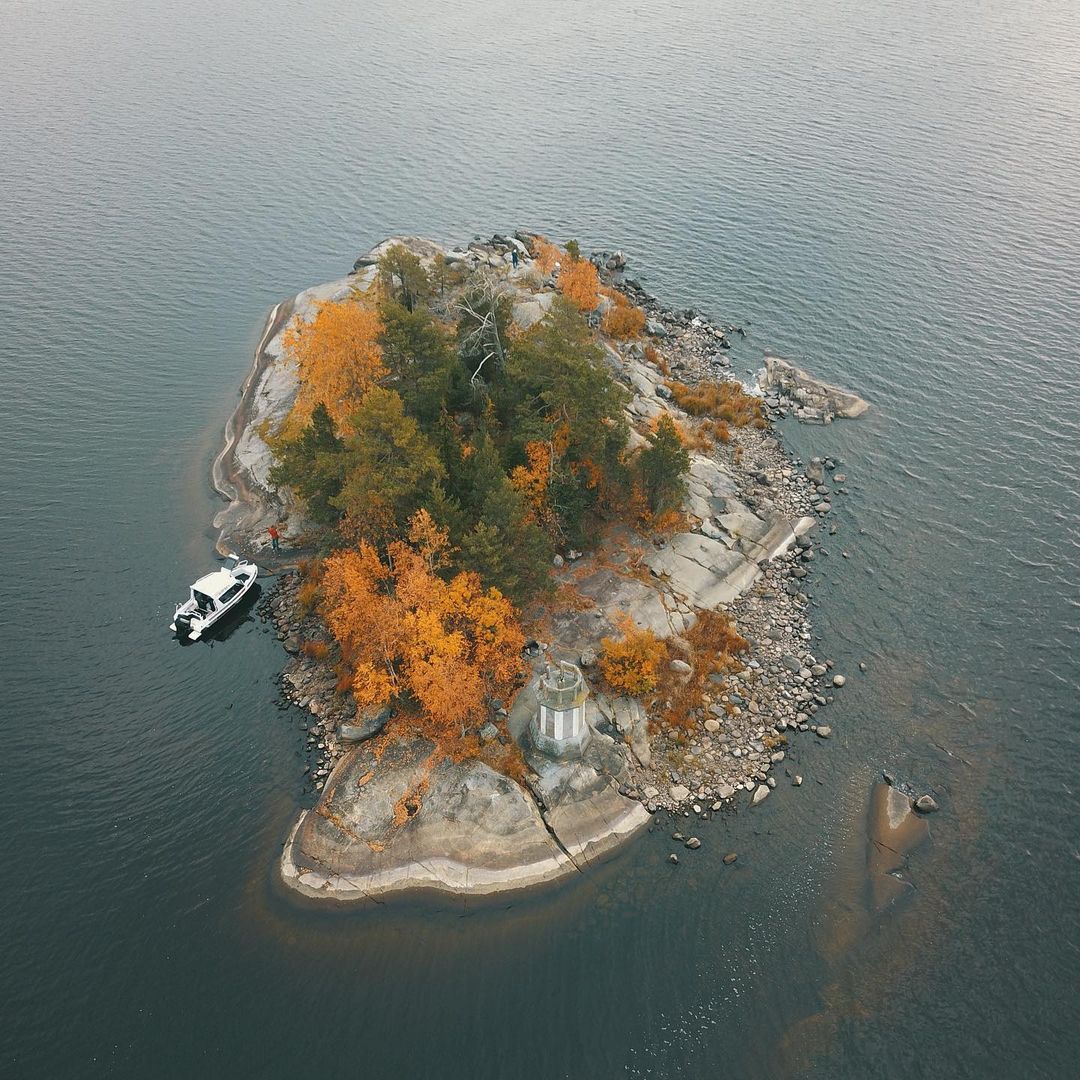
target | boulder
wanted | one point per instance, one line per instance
(368, 725)
(822, 399)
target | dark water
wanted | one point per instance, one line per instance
(886, 191)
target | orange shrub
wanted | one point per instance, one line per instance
(623, 322)
(317, 650)
(631, 663)
(546, 254)
(580, 283)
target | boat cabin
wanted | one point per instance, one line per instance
(216, 590)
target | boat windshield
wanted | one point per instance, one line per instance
(232, 591)
(202, 601)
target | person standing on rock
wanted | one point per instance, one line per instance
(275, 537)
(514, 257)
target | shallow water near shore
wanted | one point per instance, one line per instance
(886, 195)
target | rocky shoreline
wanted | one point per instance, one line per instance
(750, 553)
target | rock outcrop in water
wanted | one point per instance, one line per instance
(391, 818)
(810, 398)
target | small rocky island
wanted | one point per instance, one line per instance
(542, 567)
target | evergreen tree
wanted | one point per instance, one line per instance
(313, 466)
(662, 467)
(389, 463)
(402, 275)
(418, 353)
(558, 389)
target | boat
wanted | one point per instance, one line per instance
(213, 596)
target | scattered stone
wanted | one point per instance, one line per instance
(693, 843)
(673, 859)
(823, 731)
(729, 858)
(679, 793)
(796, 780)
(838, 680)
(760, 795)
(926, 804)
(681, 667)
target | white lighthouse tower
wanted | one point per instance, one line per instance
(559, 727)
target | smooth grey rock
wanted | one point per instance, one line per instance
(693, 843)
(824, 731)
(679, 793)
(838, 680)
(729, 858)
(760, 795)
(680, 667)
(926, 804)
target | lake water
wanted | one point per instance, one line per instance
(885, 191)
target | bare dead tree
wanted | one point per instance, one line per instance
(480, 305)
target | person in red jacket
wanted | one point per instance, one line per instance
(275, 536)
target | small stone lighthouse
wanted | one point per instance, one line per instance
(559, 728)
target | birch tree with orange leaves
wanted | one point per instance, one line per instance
(450, 645)
(338, 359)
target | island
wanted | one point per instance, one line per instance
(541, 562)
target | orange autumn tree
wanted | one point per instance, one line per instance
(338, 360)
(404, 631)
(533, 480)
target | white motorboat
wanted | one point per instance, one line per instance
(213, 596)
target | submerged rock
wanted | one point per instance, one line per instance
(893, 830)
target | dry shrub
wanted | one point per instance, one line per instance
(665, 524)
(711, 647)
(631, 663)
(569, 598)
(726, 401)
(652, 354)
(717, 430)
(308, 595)
(623, 322)
(505, 758)
(316, 650)
(695, 438)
